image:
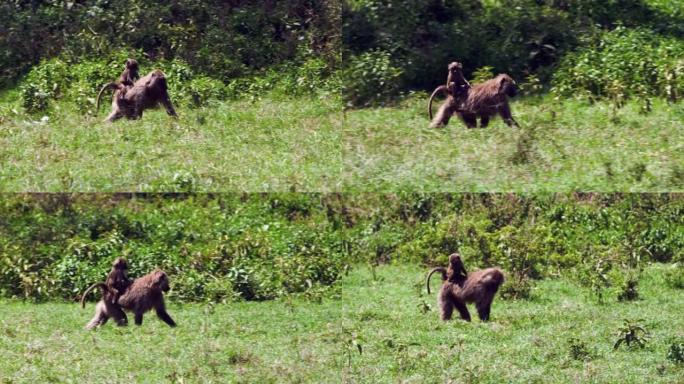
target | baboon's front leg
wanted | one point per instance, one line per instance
(446, 305)
(166, 102)
(162, 314)
(505, 112)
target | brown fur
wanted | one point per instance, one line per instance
(130, 74)
(456, 89)
(146, 92)
(489, 99)
(126, 80)
(117, 280)
(454, 273)
(478, 287)
(116, 283)
(144, 294)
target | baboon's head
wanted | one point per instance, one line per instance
(455, 66)
(456, 72)
(455, 263)
(120, 263)
(160, 281)
(132, 64)
(507, 86)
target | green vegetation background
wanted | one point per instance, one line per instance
(324, 96)
(358, 333)
(231, 247)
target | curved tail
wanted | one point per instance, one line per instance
(438, 269)
(102, 286)
(441, 88)
(99, 95)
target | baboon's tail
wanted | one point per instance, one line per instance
(441, 88)
(102, 286)
(438, 269)
(99, 95)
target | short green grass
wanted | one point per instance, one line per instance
(309, 144)
(562, 146)
(370, 328)
(234, 146)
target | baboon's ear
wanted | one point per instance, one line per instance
(502, 84)
(158, 277)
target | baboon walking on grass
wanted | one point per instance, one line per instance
(481, 101)
(147, 92)
(144, 294)
(477, 287)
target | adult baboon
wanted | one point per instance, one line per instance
(145, 293)
(456, 89)
(147, 92)
(478, 287)
(488, 99)
(481, 100)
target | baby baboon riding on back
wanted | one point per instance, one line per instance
(138, 296)
(482, 101)
(456, 88)
(460, 287)
(132, 95)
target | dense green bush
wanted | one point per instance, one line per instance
(370, 78)
(624, 63)
(80, 82)
(218, 39)
(520, 37)
(256, 247)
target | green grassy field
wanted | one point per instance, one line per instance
(310, 145)
(561, 147)
(303, 340)
(236, 146)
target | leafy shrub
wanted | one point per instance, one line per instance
(632, 334)
(516, 288)
(629, 290)
(218, 41)
(595, 274)
(369, 79)
(482, 74)
(578, 349)
(675, 352)
(47, 81)
(80, 82)
(622, 64)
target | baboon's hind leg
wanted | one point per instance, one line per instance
(470, 120)
(443, 114)
(446, 305)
